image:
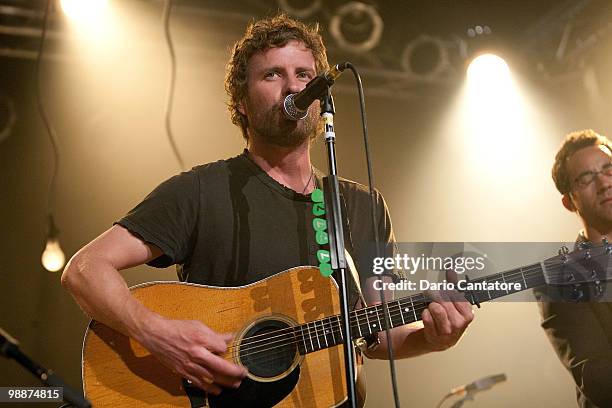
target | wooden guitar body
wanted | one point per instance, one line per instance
(119, 372)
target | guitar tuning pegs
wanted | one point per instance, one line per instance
(584, 245)
(595, 278)
(606, 245)
(578, 294)
(563, 251)
(587, 254)
(598, 289)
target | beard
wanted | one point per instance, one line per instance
(592, 213)
(599, 217)
(271, 125)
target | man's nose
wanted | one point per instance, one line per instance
(603, 181)
(294, 85)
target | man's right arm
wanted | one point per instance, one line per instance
(189, 348)
(583, 346)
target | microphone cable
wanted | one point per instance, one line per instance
(383, 301)
(172, 84)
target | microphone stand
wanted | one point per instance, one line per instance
(459, 403)
(9, 347)
(331, 192)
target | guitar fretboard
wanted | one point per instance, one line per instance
(327, 332)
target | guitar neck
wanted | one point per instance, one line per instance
(327, 332)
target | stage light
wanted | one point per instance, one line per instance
(94, 24)
(482, 49)
(356, 27)
(83, 10)
(301, 8)
(53, 258)
(425, 57)
(475, 31)
(488, 68)
(496, 119)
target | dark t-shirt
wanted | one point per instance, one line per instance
(581, 334)
(228, 223)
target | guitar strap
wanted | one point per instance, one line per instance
(348, 243)
(371, 341)
(348, 247)
(354, 274)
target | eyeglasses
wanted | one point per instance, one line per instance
(586, 178)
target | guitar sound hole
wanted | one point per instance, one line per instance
(268, 348)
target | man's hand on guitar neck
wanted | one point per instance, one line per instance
(445, 319)
(443, 323)
(192, 350)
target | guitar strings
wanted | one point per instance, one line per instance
(293, 337)
(357, 316)
(296, 340)
(363, 311)
(524, 272)
(509, 276)
(257, 356)
(318, 331)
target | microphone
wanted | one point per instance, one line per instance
(479, 385)
(296, 105)
(7, 344)
(9, 348)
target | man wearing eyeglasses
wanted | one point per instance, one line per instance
(581, 330)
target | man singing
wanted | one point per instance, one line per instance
(242, 219)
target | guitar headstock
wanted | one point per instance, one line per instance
(589, 264)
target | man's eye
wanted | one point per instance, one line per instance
(305, 75)
(585, 178)
(271, 74)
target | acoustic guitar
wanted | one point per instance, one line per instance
(288, 335)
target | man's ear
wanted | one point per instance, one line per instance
(241, 108)
(568, 203)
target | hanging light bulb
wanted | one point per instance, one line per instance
(53, 258)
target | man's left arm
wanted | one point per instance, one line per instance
(580, 334)
(443, 324)
(444, 320)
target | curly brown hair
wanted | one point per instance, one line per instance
(261, 35)
(573, 142)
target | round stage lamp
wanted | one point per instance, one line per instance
(425, 57)
(356, 27)
(487, 67)
(300, 8)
